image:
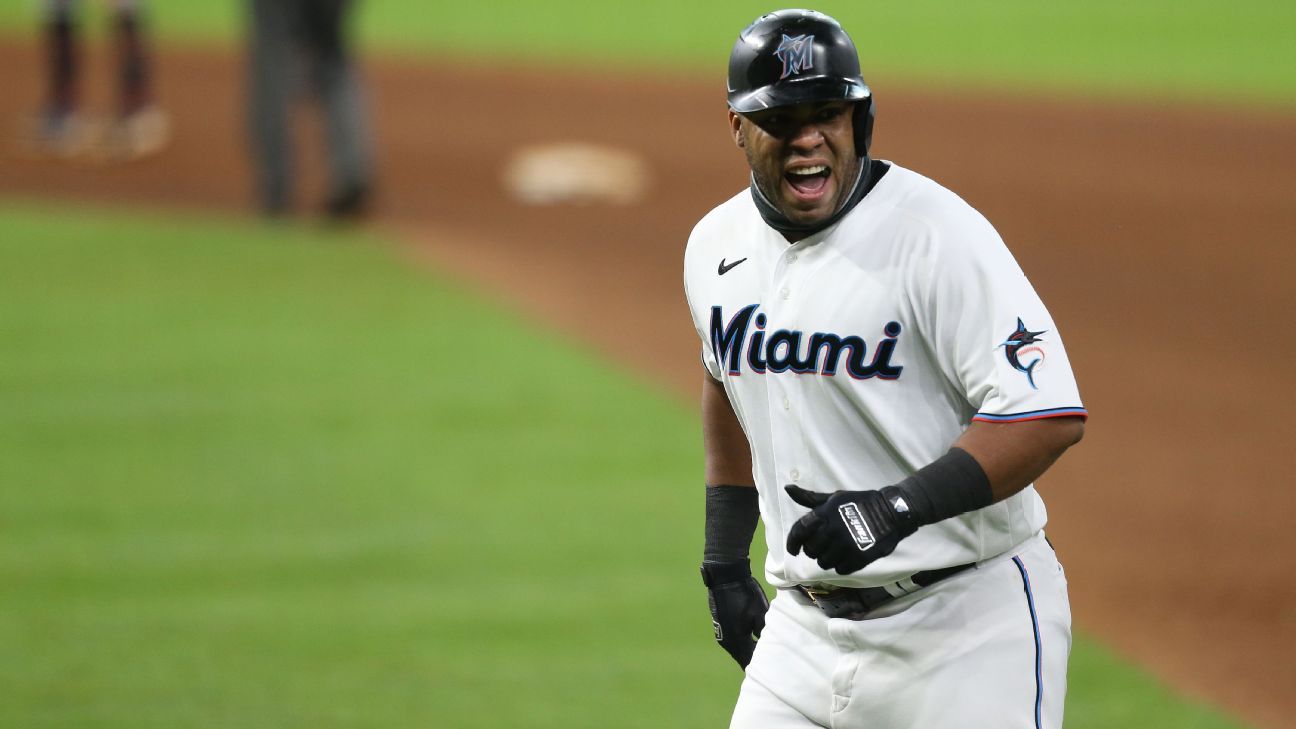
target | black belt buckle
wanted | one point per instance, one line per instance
(854, 603)
(851, 603)
(814, 594)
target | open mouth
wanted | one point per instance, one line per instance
(808, 182)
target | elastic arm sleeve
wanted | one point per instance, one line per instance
(948, 486)
(731, 516)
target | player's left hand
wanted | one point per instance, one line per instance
(738, 607)
(848, 530)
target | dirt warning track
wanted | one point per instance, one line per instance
(1160, 237)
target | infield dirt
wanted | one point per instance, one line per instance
(1160, 237)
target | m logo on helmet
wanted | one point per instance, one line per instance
(797, 54)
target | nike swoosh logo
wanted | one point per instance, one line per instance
(723, 269)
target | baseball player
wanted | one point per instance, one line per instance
(882, 373)
(138, 128)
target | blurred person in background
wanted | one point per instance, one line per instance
(296, 42)
(138, 127)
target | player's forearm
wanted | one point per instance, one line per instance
(989, 463)
(732, 508)
(726, 449)
(1014, 455)
(732, 513)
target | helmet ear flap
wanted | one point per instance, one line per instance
(863, 120)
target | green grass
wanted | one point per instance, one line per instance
(1195, 49)
(1105, 691)
(278, 477)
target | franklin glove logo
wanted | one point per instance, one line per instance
(855, 524)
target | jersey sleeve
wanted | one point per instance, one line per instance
(990, 332)
(708, 356)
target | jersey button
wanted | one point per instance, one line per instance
(787, 404)
(795, 474)
(792, 258)
(786, 292)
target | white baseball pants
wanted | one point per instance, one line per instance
(984, 649)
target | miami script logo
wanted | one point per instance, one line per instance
(745, 339)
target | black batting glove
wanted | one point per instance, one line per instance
(738, 606)
(848, 530)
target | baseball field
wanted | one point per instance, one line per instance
(443, 469)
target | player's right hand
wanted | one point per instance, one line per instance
(738, 606)
(846, 531)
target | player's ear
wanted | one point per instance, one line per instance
(736, 129)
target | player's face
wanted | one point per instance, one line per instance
(803, 157)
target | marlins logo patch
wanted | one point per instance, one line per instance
(797, 54)
(856, 525)
(1018, 347)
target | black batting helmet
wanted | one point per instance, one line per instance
(796, 56)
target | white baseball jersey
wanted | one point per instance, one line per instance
(860, 354)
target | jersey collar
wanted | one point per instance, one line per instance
(869, 173)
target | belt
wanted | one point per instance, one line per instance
(853, 603)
